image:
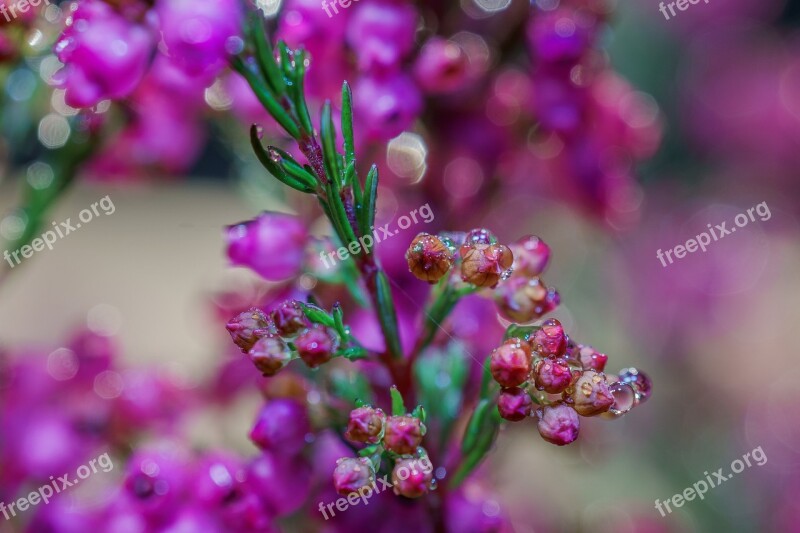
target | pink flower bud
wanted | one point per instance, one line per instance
(552, 375)
(270, 354)
(483, 265)
(412, 477)
(590, 394)
(514, 404)
(281, 428)
(403, 434)
(474, 237)
(246, 328)
(351, 474)
(272, 245)
(591, 359)
(531, 256)
(289, 318)
(511, 363)
(550, 340)
(365, 425)
(441, 67)
(316, 345)
(429, 258)
(559, 424)
(522, 300)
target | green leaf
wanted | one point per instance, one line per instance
(318, 316)
(300, 100)
(477, 424)
(338, 321)
(367, 214)
(266, 58)
(419, 412)
(369, 450)
(398, 407)
(295, 170)
(347, 123)
(352, 387)
(273, 167)
(386, 314)
(354, 353)
(329, 153)
(266, 98)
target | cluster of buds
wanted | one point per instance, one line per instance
(483, 261)
(564, 379)
(397, 438)
(271, 342)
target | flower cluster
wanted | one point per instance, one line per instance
(398, 439)
(563, 379)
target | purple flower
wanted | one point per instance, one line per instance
(200, 35)
(156, 481)
(289, 318)
(365, 425)
(590, 394)
(531, 256)
(270, 354)
(281, 428)
(559, 424)
(552, 375)
(247, 327)
(403, 434)
(559, 35)
(386, 106)
(550, 340)
(283, 484)
(272, 245)
(442, 67)
(104, 55)
(511, 363)
(382, 34)
(412, 477)
(316, 345)
(591, 359)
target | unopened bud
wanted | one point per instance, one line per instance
(365, 425)
(351, 474)
(289, 318)
(270, 354)
(316, 345)
(246, 328)
(514, 404)
(552, 375)
(558, 424)
(550, 340)
(523, 300)
(511, 363)
(410, 477)
(590, 394)
(591, 359)
(531, 256)
(483, 265)
(429, 258)
(403, 434)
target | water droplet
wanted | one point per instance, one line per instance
(507, 274)
(260, 132)
(624, 399)
(639, 381)
(234, 45)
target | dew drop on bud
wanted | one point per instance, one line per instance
(639, 381)
(234, 45)
(624, 399)
(507, 274)
(260, 132)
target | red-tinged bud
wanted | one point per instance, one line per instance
(365, 425)
(289, 318)
(523, 300)
(403, 434)
(511, 363)
(316, 345)
(246, 328)
(591, 359)
(429, 258)
(484, 265)
(412, 477)
(639, 381)
(270, 354)
(531, 256)
(590, 394)
(514, 404)
(558, 424)
(552, 375)
(550, 340)
(352, 474)
(476, 237)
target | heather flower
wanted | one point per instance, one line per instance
(483, 265)
(283, 484)
(531, 256)
(247, 327)
(316, 345)
(289, 318)
(272, 245)
(105, 56)
(552, 375)
(218, 477)
(591, 359)
(550, 340)
(156, 481)
(511, 363)
(558, 424)
(403, 434)
(442, 67)
(270, 354)
(590, 395)
(352, 474)
(281, 427)
(381, 34)
(523, 300)
(386, 105)
(365, 425)
(558, 35)
(429, 258)
(475, 237)
(412, 477)
(199, 35)
(514, 404)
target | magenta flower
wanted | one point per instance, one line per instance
(289, 318)
(403, 434)
(382, 34)
(514, 404)
(386, 106)
(352, 474)
(270, 354)
(200, 35)
(281, 428)
(511, 363)
(104, 55)
(247, 327)
(365, 425)
(412, 477)
(156, 481)
(442, 67)
(550, 340)
(591, 395)
(552, 375)
(271, 245)
(531, 256)
(317, 345)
